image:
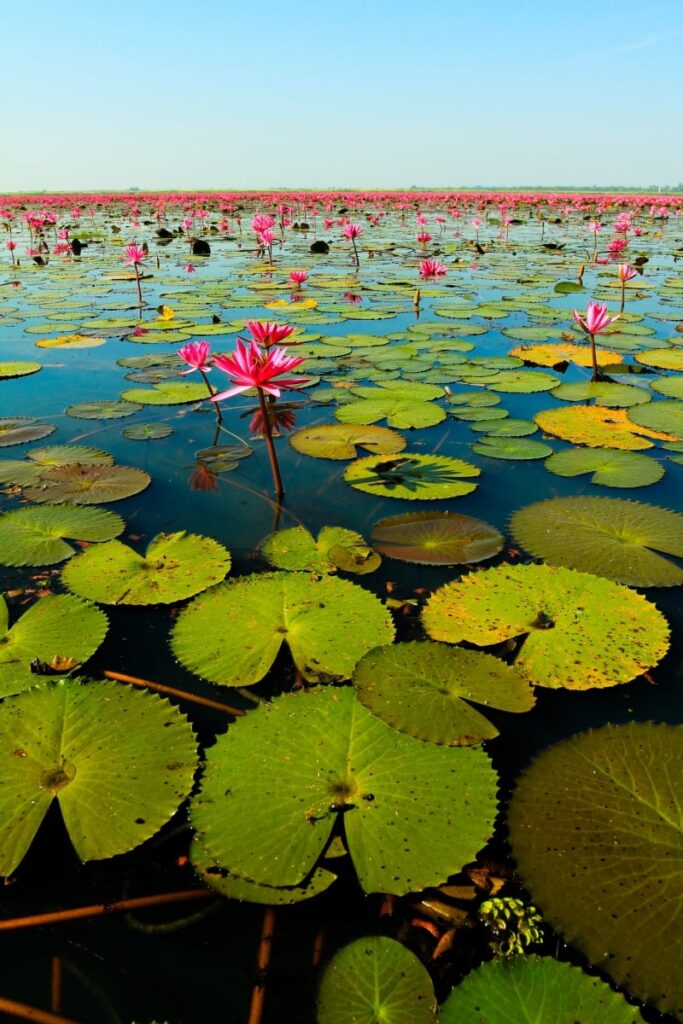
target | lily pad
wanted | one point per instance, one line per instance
(399, 412)
(106, 752)
(609, 466)
(436, 538)
(599, 427)
(69, 341)
(664, 416)
(539, 990)
(662, 358)
(614, 396)
(579, 631)
(172, 392)
(61, 627)
(563, 352)
(428, 690)
(618, 539)
(425, 477)
(70, 454)
(595, 828)
(413, 812)
(496, 447)
(103, 410)
(327, 623)
(342, 441)
(87, 485)
(20, 429)
(523, 382)
(335, 548)
(34, 536)
(16, 368)
(147, 431)
(375, 979)
(175, 566)
(672, 387)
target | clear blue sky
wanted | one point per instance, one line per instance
(363, 93)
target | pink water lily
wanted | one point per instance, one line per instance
(298, 277)
(596, 319)
(253, 367)
(195, 354)
(267, 334)
(351, 231)
(135, 255)
(625, 272)
(432, 268)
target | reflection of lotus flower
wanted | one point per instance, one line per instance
(252, 367)
(267, 334)
(432, 268)
(203, 478)
(355, 300)
(279, 417)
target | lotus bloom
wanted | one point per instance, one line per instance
(298, 277)
(11, 245)
(195, 354)
(476, 224)
(351, 233)
(625, 273)
(135, 255)
(253, 367)
(595, 322)
(432, 268)
(189, 269)
(617, 246)
(267, 334)
(424, 237)
(262, 222)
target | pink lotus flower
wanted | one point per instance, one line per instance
(189, 269)
(353, 299)
(476, 223)
(432, 268)
(424, 237)
(267, 334)
(625, 272)
(328, 222)
(134, 255)
(595, 226)
(252, 367)
(266, 237)
(61, 249)
(195, 354)
(617, 246)
(352, 231)
(298, 276)
(262, 222)
(11, 245)
(596, 319)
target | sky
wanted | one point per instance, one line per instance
(218, 94)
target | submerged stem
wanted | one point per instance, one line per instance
(268, 436)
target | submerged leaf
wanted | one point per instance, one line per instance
(436, 538)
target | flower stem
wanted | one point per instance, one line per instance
(268, 435)
(219, 414)
(594, 357)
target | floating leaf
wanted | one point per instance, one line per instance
(427, 477)
(62, 626)
(399, 412)
(413, 812)
(534, 989)
(108, 754)
(87, 485)
(662, 358)
(610, 467)
(427, 690)
(509, 427)
(436, 538)
(103, 410)
(659, 416)
(523, 382)
(595, 828)
(175, 566)
(496, 447)
(603, 392)
(672, 387)
(20, 429)
(598, 427)
(170, 392)
(608, 536)
(563, 352)
(327, 623)
(375, 979)
(69, 454)
(34, 536)
(71, 341)
(580, 631)
(335, 548)
(341, 441)
(147, 431)
(17, 369)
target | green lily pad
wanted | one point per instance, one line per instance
(62, 627)
(614, 396)
(662, 358)
(170, 392)
(610, 467)
(509, 427)
(106, 752)
(523, 382)
(175, 566)
(413, 812)
(436, 538)
(147, 431)
(335, 548)
(34, 536)
(618, 539)
(20, 429)
(595, 827)
(426, 477)
(87, 485)
(496, 447)
(579, 631)
(427, 690)
(327, 623)
(539, 990)
(672, 387)
(17, 368)
(399, 412)
(70, 454)
(341, 441)
(375, 979)
(665, 416)
(103, 410)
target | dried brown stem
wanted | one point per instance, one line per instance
(171, 691)
(258, 993)
(24, 1012)
(97, 909)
